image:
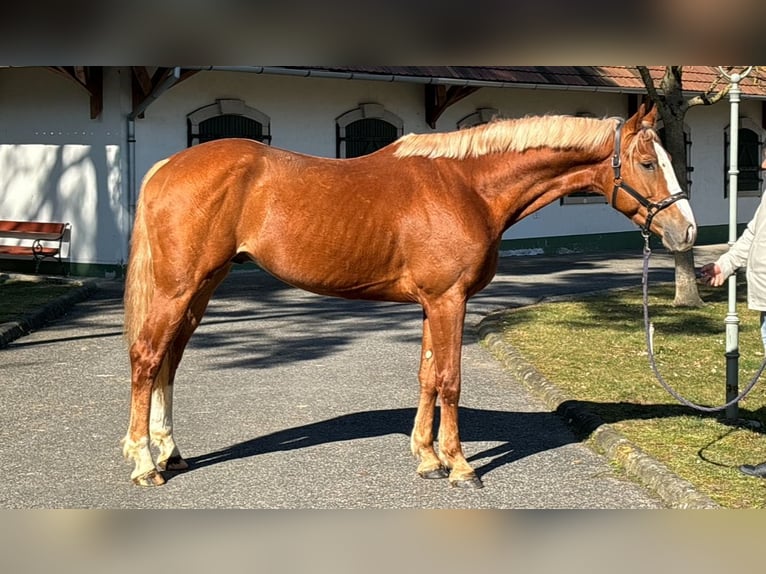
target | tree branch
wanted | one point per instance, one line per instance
(649, 83)
(710, 97)
(707, 99)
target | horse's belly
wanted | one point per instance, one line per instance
(362, 270)
(337, 281)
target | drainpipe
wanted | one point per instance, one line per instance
(131, 129)
(160, 89)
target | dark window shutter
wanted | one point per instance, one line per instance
(231, 126)
(749, 178)
(368, 135)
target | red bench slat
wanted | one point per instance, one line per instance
(32, 227)
(36, 231)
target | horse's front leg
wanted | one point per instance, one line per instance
(422, 439)
(446, 322)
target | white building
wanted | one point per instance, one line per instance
(74, 143)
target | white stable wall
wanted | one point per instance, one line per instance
(56, 163)
(303, 112)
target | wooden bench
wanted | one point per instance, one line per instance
(46, 239)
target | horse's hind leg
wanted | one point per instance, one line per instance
(161, 419)
(422, 439)
(147, 355)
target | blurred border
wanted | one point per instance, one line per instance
(302, 32)
(298, 32)
(383, 541)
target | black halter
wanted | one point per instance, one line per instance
(652, 208)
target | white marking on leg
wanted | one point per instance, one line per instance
(161, 421)
(139, 453)
(160, 418)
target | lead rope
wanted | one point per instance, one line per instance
(650, 347)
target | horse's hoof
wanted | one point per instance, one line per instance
(438, 472)
(472, 482)
(173, 463)
(151, 478)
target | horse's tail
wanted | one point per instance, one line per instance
(139, 282)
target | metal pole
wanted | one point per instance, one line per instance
(732, 319)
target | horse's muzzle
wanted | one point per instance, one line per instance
(679, 238)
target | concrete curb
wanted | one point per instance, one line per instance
(670, 488)
(53, 310)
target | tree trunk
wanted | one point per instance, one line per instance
(672, 109)
(687, 293)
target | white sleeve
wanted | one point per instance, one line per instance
(736, 257)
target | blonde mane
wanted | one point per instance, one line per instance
(554, 131)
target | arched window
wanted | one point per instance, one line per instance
(366, 129)
(749, 148)
(227, 119)
(480, 116)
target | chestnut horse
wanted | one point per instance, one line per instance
(418, 221)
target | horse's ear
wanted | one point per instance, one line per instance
(645, 117)
(650, 115)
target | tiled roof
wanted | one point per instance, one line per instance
(696, 79)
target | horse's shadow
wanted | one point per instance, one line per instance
(519, 434)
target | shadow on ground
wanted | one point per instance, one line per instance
(517, 432)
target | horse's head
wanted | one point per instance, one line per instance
(645, 187)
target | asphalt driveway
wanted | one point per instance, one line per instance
(290, 400)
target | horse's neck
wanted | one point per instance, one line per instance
(525, 183)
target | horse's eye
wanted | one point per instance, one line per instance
(648, 165)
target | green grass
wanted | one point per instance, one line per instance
(594, 350)
(19, 297)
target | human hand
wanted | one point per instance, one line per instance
(712, 274)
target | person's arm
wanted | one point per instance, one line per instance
(736, 257)
(715, 274)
